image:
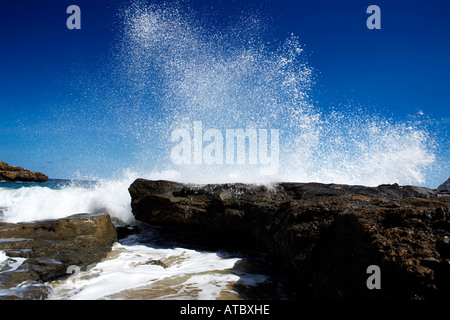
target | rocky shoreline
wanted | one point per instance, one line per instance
(18, 174)
(326, 235)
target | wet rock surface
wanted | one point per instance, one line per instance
(18, 174)
(42, 251)
(327, 235)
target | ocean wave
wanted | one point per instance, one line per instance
(31, 203)
(59, 199)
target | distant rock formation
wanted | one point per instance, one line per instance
(47, 248)
(16, 174)
(327, 235)
(445, 185)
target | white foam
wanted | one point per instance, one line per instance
(8, 263)
(37, 203)
(3, 257)
(188, 274)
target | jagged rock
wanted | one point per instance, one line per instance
(11, 173)
(47, 248)
(445, 185)
(326, 234)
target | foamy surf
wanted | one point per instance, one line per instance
(138, 267)
(143, 272)
(38, 203)
(136, 270)
(8, 263)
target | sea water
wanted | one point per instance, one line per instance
(141, 266)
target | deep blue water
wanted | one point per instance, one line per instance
(54, 184)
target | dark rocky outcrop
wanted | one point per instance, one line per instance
(445, 185)
(325, 234)
(15, 174)
(47, 248)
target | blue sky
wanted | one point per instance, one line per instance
(46, 69)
